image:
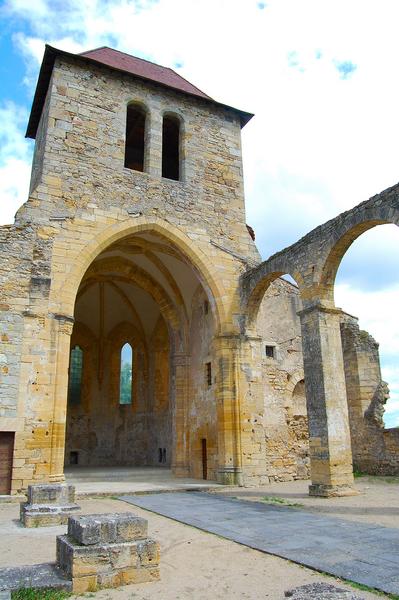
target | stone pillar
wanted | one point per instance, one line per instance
(330, 444)
(251, 399)
(180, 375)
(107, 551)
(153, 135)
(63, 329)
(48, 504)
(228, 410)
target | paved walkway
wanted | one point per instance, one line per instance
(41, 576)
(367, 554)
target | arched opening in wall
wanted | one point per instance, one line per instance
(171, 147)
(144, 327)
(365, 276)
(135, 137)
(275, 304)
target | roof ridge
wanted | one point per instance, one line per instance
(92, 50)
(163, 78)
(150, 62)
(130, 56)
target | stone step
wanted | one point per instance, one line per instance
(42, 576)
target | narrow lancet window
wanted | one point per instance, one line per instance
(126, 375)
(170, 148)
(135, 136)
(75, 375)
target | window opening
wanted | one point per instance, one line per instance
(170, 148)
(135, 135)
(126, 375)
(75, 375)
(204, 453)
(74, 457)
(208, 374)
(270, 351)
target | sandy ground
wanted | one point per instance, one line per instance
(377, 501)
(201, 566)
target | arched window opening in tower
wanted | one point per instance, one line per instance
(135, 136)
(126, 375)
(75, 375)
(170, 148)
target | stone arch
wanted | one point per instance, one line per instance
(256, 283)
(66, 281)
(295, 378)
(299, 399)
(347, 229)
(336, 254)
(133, 273)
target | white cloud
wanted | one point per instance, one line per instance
(14, 161)
(318, 145)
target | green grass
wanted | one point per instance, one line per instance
(376, 478)
(281, 501)
(357, 474)
(366, 588)
(360, 586)
(39, 594)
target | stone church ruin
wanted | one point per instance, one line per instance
(138, 324)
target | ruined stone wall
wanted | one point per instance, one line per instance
(375, 449)
(202, 415)
(285, 418)
(81, 196)
(16, 246)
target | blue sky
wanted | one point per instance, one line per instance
(321, 77)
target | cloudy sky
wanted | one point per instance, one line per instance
(321, 77)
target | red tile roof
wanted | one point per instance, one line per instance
(143, 68)
(124, 63)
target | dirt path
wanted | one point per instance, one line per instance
(194, 565)
(377, 501)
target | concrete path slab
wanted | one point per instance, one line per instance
(44, 576)
(366, 554)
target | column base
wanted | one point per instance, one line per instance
(230, 476)
(180, 470)
(57, 478)
(323, 490)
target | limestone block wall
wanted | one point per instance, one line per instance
(80, 152)
(285, 418)
(375, 449)
(82, 199)
(202, 414)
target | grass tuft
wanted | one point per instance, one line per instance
(39, 594)
(282, 501)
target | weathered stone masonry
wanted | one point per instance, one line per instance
(101, 255)
(313, 262)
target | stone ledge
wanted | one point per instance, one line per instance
(107, 528)
(48, 505)
(41, 576)
(51, 493)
